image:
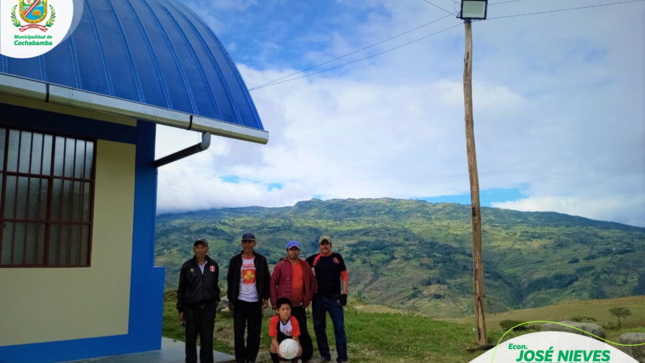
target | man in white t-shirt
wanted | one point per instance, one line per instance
(248, 293)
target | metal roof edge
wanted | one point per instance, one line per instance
(47, 92)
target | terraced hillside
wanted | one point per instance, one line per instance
(416, 255)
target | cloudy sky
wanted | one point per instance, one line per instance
(558, 101)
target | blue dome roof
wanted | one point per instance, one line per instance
(157, 52)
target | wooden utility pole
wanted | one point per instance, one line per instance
(478, 270)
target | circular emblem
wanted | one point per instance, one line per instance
(31, 28)
(336, 260)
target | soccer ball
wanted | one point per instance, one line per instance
(289, 349)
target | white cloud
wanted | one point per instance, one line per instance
(558, 108)
(626, 208)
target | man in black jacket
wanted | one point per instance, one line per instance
(197, 298)
(248, 293)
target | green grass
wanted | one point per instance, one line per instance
(377, 334)
(391, 337)
(372, 337)
(597, 309)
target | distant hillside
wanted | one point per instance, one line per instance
(417, 255)
(576, 309)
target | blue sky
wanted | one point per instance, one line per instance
(285, 34)
(486, 197)
(559, 119)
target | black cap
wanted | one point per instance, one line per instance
(248, 237)
(202, 241)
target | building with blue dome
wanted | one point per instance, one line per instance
(78, 177)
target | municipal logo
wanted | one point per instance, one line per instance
(30, 28)
(33, 12)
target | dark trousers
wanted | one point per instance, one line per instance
(320, 306)
(305, 339)
(200, 321)
(247, 313)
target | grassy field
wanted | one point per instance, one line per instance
(374, 337)
(379, 334)
(597, 309)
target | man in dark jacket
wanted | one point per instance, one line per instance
(293, 278)
(197, 298)
(248, 293)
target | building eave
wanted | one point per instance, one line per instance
(56, 94)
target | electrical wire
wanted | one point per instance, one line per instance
(288, 79)
(569, 9)
(357, 60)
(354, 52)
(438, 7)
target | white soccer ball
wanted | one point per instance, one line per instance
(289, 349)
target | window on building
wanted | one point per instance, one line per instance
(46, 204)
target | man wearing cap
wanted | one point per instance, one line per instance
(293, 278)
(197, 298)
(248, 293)
(330, 270)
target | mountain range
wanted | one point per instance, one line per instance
(417, 256)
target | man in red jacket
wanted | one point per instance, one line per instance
(293, 278)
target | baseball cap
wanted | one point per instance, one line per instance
(324, 238)
(202, 241)
(293, 244)
(248, 237)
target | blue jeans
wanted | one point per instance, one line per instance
(320, 306)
